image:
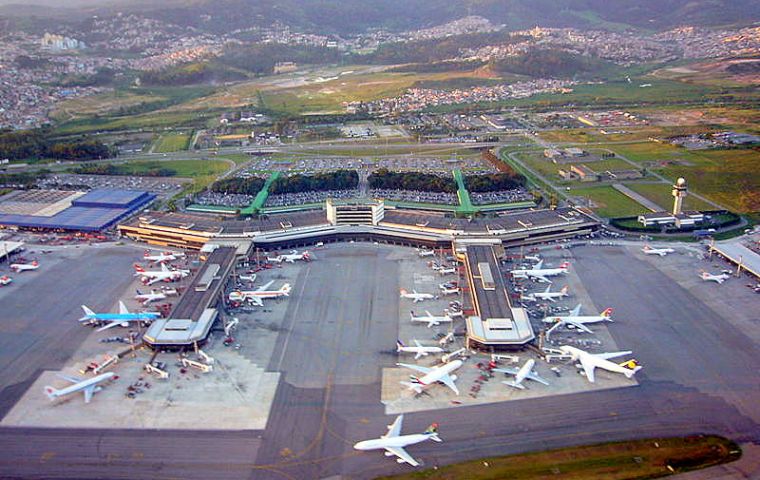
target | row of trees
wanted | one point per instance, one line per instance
(190, 74)
(337, 180)
(243, 186)
(493, 182)
(109, 169)
(423, 182)
(33, 144)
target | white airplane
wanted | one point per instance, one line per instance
(526, 371)
(656, 251)
(247, 278)
(541, 274)
(441, 373)
(591, 361)
(89, 386)
(426, 253)
(393, 442)
(258, 296)
(117, 319)
(546, 295)
(449, 291)
(155, 296)
(5, 280)
(532, 258)
(22, 267)
(579, 322)
(164, 275)
(416, 297)
(418, 349)
(430, 319)
(291, 257)
(447, 271)
(162, 257)
(709, 277)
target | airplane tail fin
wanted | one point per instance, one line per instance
(35, 263)
(565, 265)
(51, 392)
(432, 431)
(399, 345)
(413, 386)
(630, 373)
(403, 291)
(87, 313)
(607, 313)
(563, 291)
(286, 289)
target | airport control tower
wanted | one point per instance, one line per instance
(679, 193)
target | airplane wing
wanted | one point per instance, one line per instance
(417, 343)
(537, 378)
(394, 429)
(88, 393)
(538, 265)
(548, 289)
(511, 371)
(265, 286)
(433, 322)
(401, 453)
(576, 311)
(69, 378)
(153, 280)
(588, 368)
(415, 367)
(540, 278)
(110, 325)
(579, 326)
(257, 301)
(123, 308)
(609, 355)
(449, 382)
(556, 326)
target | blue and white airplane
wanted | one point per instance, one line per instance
(115, 319)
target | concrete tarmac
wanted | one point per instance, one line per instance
(698, 376)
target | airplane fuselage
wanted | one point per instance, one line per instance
(439, 372)
(400, 441)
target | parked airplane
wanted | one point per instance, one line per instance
(416, 297)
(162, 257)
(393, 442)
(418, 349)
(591, 361)
(546, 295)
(541, 274)
(447, 271)
(258, 296)
(656, 251)
(247, 278)
(291, 257)
(579, 322)
(165, 274)
(440, 373)
(5, 280)
(88, 386)
(426, 253)
(117, 319)
(430, 319)
(526, 371)
(154, 295)
(709, 277)
(22, 267)
(449, 291)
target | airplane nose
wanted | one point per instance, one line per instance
(359, 446)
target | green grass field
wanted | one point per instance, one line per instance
(182, 168)
(608, 202)
(660, 194)
(634, 460)
(173, 142)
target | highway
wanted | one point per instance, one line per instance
(699, 376)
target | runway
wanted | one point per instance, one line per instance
(699, 376)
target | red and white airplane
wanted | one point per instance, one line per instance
(291, 257)
(5, 280)
(257, 296)
(541, 274)
(162, 257)
(579, 322)
(164, 275)
(709, 277)
(22, 267)
(656, 251)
